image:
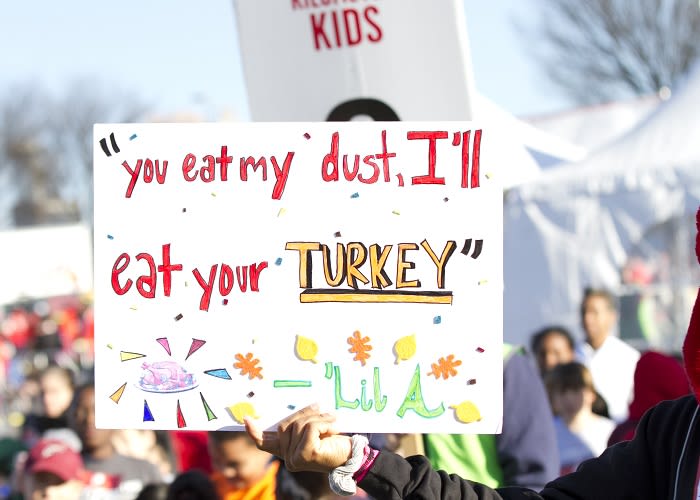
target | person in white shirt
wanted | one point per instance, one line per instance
(611, 361)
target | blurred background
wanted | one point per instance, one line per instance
(612, 80)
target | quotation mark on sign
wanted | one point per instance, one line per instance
(477, 247)
(103, 143)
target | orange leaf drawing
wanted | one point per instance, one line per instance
(248, 365)
(360, 346)
(445, 367)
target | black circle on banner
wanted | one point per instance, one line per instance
(375, 109)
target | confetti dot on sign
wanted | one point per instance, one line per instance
(184, 210)
(109, 236)
(291, 407)
(483, 282)
(337, 234)
(355, 195)
(213, 194)
(437, 320)
(224, 302)
(110, 346)
(479, 349)
(445, 199)
(281, 212)
(307, 136)
(471, 381)
(278, 261)
(133, 308)
(133, 136)
(488, 175)
(396, 212)
(178, 317)
(466, 412)
(250, 394)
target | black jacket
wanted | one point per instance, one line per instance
(661, 462)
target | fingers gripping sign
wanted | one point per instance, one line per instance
(305, 440)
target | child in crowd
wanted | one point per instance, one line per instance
(581, 434)
(552, 346)
(53, 470)
(241, 471)
(57, 389)
(192, 485)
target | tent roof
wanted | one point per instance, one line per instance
(594, 126)
(520, 150)
(667, 138)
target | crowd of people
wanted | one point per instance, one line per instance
(565, 402)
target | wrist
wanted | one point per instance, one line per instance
(342, 479)
(370, 455)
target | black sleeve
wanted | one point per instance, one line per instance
(643, 468)
(393, 477)
(622, 471)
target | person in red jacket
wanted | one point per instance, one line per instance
(657, 377)
(662, 461)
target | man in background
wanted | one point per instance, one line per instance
(610, 360)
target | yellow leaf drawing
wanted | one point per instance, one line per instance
(405, 348)
(241, 410)
(306, 349)
(466, 412)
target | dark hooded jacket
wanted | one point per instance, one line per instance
(661, 462)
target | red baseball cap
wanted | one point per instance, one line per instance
(56, 457)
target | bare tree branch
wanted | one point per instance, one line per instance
(46, 145)
(602, 50)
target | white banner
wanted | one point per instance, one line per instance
(254, 269)
(317, 60)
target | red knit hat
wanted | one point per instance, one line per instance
(691, 346)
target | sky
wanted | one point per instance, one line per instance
(183, 55)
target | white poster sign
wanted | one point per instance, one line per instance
(316, 60)
(251, 269)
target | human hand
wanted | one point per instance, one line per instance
(305, 440)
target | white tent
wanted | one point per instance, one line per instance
(522, 151)
(594, 126)
(629, 206)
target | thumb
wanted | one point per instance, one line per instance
(266, 441)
